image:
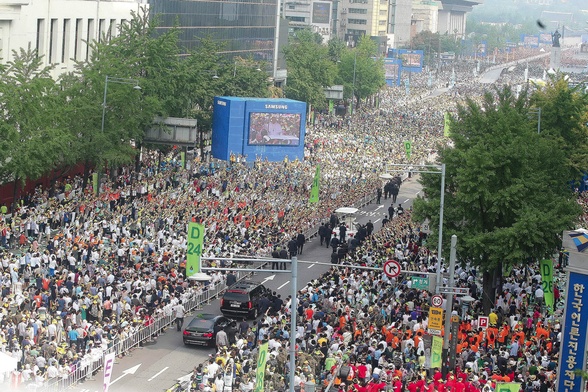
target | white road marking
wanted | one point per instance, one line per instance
(406, 201)
(280, 288)
(158, 373)
(310, 266)
(377, 220)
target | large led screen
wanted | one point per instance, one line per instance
(274, 129)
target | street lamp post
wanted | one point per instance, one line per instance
(108, 79)
(538, 113)
(353, 86)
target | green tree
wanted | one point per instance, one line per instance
(506, 197)
(360, 71)
(32, 138)
(564, 115)
(136, 56)
(310, 69)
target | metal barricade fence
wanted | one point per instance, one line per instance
(136, 338)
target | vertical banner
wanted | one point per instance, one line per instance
(183, 159)
(260, 372)
(507, 387)
(108, 365)
(408, 148)
(546, 267)
(436, 352)
(331, 106)
(573, 346)
(194, 250)
(95, 183)
(427, 344)
(446, 125)
(314, 191)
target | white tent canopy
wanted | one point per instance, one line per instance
(7, 363)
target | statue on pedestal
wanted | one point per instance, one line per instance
(555, 37)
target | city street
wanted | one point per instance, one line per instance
(157, 366)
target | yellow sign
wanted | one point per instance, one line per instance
(455, 319)
(436, 318)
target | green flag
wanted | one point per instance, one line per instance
(194, 251)
(314, 191)
(547, 283)
(183, 159)
(447, 124)
(331, 106)
(436, 352)
(260, 372)
(408, 148)
(95, 183)
(507, 387)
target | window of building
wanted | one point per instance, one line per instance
(101, 29)
(358, 1)
(78, 39)
(90, 34)
(112, 29)
(65, 40)
(357, 21)
(53, 41)
(40, 43)
(301, 19)
(382, 22)
(357, 11)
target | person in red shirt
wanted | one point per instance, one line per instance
(397, 384)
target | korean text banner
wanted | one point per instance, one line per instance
(573, 346)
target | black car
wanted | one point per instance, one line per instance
(203, 328)
(241, 300)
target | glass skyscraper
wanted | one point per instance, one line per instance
(247, 27)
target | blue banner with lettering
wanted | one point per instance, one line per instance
(573, 346)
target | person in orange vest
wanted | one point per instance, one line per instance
(491, 335)
(503, 334)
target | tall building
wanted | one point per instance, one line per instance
(399, 22)
(59, 29)
(363, 17)
(302, 14)
(248, 27)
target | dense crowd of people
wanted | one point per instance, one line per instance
(82, 268)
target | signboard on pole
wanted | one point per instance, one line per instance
(435, 320)
(392, 268)
(483, 322)
(573, 348)
(419, 283)
(108, 365)
(436, 352)
(260, 373)
(546, 267)
(194, 249)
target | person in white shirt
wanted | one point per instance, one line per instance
(179, 311)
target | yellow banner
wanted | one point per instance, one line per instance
(436, 318)
(436, 352)
(314, 191)
(194, 251)
(260, 373)
(447, 124)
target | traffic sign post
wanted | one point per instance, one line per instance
(392, 268)
(437, 301)
(420, 283)
(483, 322)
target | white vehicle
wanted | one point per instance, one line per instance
(346, 215)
